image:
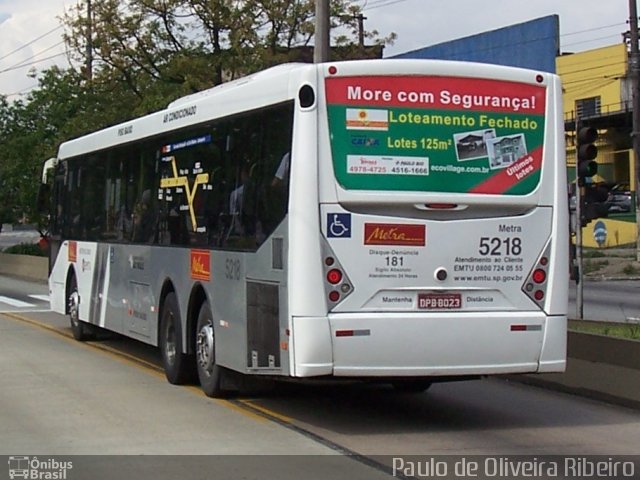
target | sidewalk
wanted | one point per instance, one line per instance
(611, 264)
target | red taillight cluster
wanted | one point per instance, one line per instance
(536, 284)
(337, 284)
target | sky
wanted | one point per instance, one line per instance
(30, 30)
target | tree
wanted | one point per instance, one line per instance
(164, 49)
(30, 131)
(147, 53)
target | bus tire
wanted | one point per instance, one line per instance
(209, 372)
(178, 366)
(80, 330)
(412, 386)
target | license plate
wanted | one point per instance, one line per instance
(439, 301)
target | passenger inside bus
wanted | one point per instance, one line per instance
(144, 219)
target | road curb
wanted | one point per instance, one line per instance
(599, 367)
(612, 278)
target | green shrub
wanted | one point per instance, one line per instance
(622, 330)
(591, 266)
(26, 249)
(630, 269)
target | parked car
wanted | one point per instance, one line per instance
(619, 199)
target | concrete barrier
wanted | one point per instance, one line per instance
(601, 367)
(24, 266)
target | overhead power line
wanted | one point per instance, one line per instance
(32, 57)
(589, 65)
(21, 92)
(31, 63)
(593, 29)
(383, 3)
(590, 40)
(31, 42)
(370, 5)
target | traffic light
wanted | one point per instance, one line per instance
(586, 152)
(593, 196)
(593, 203)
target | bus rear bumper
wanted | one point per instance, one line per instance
(444, 344)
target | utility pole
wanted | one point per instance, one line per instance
(586, 208)
(89, 64)
(361, 18)
(321, 48)
(635, 129)
(578, 213)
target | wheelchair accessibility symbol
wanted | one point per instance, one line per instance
(339, 225)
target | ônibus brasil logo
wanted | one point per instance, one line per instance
(38, 469)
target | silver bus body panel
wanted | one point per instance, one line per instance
(120, 285)
(125, 297)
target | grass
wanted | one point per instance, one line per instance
(618, 252)
(590, 266)
(629, 331)
(25, 249)
(593, 254)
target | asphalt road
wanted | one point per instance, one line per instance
(611, 300)
(92, 400)
(22, 296)
(60, 397)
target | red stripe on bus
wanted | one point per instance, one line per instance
(510, 176)
(344, 333)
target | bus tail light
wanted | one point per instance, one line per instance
(539, 275)
(334, 276)
(535, 286)
(337, 285)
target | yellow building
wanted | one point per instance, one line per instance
(596, 90)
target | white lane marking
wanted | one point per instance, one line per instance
(30, 310)
(15, 303)
(44, 298)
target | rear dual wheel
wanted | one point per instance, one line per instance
(181, 368)
(209, 372)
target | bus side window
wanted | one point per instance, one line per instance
(144, 219)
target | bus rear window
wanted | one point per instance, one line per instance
(436, 134)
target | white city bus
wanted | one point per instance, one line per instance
(402, 221)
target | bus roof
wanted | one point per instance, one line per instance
(225, 99)
(265, 88)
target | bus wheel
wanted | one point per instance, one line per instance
(411, 386)
(209, 373)
(178, 366)
(80, 330)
